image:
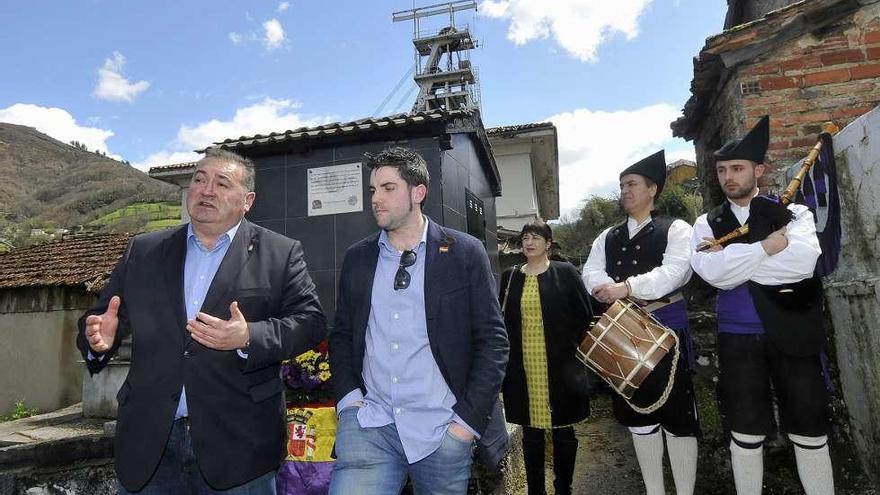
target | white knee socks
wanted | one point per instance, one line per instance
(748, 462)
(683, 459)
(648, 442)
(813, 464)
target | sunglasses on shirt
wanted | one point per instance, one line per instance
(402, 277)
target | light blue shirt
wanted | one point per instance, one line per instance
(403, 382)
(199, 269)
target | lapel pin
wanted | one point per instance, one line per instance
(444, 248)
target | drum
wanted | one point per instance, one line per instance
(625, 347)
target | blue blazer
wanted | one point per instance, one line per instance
(465, 327)
(236, 406)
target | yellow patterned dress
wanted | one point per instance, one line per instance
(535, 355)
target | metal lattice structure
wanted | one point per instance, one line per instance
(443, 71)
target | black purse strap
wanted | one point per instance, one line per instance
(507, 289)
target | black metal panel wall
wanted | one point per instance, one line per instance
(463, 170)
(281, 205)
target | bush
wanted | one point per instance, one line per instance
(19, 411)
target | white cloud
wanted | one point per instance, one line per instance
(113, 86)
(681, 154)
(579, 26)
(269, 115)
(235, 38)
(274, 36)
(595, 146)
(283, 6)
(59, 124)
(264, 117)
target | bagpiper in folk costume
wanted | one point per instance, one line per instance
(770, 333)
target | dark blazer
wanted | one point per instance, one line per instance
(236, 406)
(465, 329)
(566, 315)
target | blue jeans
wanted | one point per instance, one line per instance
(178, 472)
(372, 461)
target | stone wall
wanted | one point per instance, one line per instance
(832, 75)
(829, 75)
(853, 290)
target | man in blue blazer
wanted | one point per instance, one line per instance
(213, 307)
(418, 350)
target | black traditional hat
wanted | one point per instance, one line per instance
(652, 167)
(752, 146)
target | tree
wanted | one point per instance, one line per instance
(576, 233)
(677, 202)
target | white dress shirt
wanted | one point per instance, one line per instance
(738, 263)
(673, 273)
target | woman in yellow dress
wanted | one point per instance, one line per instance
(546, 311)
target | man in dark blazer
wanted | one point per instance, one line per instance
(418, 350)
(213, 307)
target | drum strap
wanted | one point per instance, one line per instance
(664, 301)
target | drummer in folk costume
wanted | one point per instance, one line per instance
(648, 258)
(769, 319)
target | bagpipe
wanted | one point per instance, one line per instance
(813, 184)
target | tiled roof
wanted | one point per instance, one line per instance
(740, 44)
(79, 260)
(336, 129)
(510, 129)
(173, 166)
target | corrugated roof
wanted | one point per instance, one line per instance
(509, 129)
(79, 260)
(336, 129)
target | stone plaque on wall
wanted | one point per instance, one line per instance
(335, 189)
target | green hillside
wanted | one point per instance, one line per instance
(46, 184)
(139, 217)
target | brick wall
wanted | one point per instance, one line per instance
(833, 75)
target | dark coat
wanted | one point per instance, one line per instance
(465, 329)
(567, 316)
(236, 406)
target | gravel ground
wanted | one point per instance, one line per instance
(607, 465)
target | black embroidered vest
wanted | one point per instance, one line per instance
(625, 257)
(790, 313)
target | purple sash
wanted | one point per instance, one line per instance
(674, 316)
(737, 313)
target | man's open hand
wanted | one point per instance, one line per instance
(221, 335)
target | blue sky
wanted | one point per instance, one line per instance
(150, 81)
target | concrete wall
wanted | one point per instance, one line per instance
(518, 204)
(853, 290)
(38, 355)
